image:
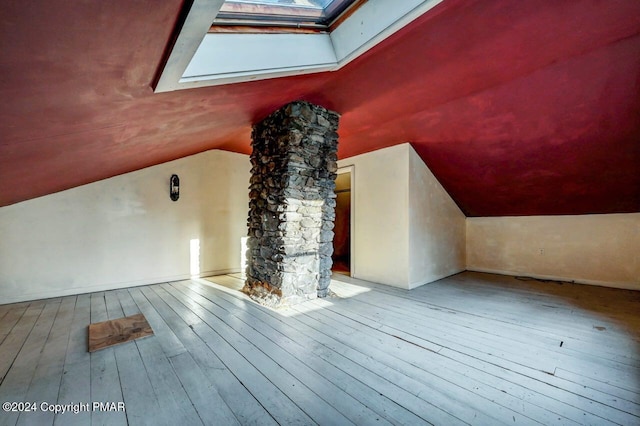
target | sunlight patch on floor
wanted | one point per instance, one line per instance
(338, 289)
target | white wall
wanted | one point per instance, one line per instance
(125, 230)
(437, 240)
(408, 231)
(590, 249)
(381, 215)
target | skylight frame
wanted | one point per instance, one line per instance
(198, 57)
(256, 13)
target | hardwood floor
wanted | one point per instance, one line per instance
(473, 349)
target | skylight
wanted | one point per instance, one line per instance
(259, 39)
(296, 13)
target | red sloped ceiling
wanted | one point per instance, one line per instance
(518, 107)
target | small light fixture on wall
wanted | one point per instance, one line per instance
(174, 187)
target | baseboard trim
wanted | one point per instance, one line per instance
(612, 284)
(111, 286)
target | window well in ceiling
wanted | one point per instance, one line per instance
(224, 42)
(311, 14)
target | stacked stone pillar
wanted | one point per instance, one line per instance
(292, 202)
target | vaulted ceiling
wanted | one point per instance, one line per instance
(518, 107)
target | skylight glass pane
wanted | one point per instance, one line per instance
(313, 4)
(312, 13)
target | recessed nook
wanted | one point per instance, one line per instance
(344, 222)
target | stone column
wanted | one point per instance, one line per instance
(291, 207)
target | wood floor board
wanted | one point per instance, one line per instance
(266, 393)
(590, 350)
(186, 371)
(98, 307)
(511, 309)
(623, 399)
(302, 348)
(599, 298)
(504, 373)
(544, 291)
(462, 349)
(459, 391)
(75, 385)
(201, 390)
(444, 336)
(162, 290)
(9, 319)
(582, 393)
(112, 305)
(474, 348)
(455, 291)
(452, 320)
(399, 383)
(436, 408)
(234, 394)
(421, 358)
(589, 329)
(547, 339)
(170, 344)
(507, 302)
(174, 403)
(546, 358)
(18, 379)
(435, 362)
(568, 399)
(428, 382)
(176, 407)
(6, 308)
(105, 377)
(45, 384)
(141, 403)
(337, 368)
(599, 350)
(12, 344)
(137, 390)
(357, 364)
(610, 376)
(323, 388)
(269, 372)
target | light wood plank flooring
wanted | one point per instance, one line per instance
(473, 349)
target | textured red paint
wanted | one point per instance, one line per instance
(518, 107)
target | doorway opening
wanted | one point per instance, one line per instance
(342, 240)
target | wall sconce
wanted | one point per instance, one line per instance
(174, 187)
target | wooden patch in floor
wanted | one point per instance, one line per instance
(114, 332)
